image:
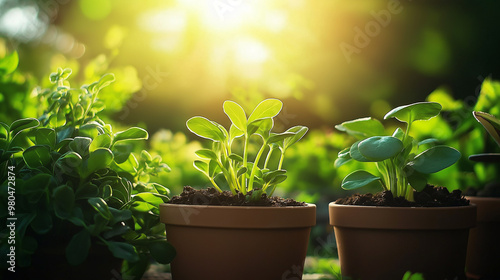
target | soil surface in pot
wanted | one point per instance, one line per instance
(211, 196)
(430, 196)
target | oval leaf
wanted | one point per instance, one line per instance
(414, 112)
(37, 156)
(490, 123)
(358, 179)
(163, 252)
(133, 133)
(23, 124)
(205, 128)
(8, 63)
(356, 154)
(379, 148)
(362, 128)
(99, 159)
(206, 153)
(435, 159)
(123, 250)
(78, 248)
(236, 114)
(268, 108)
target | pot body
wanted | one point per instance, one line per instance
(386, 242)
(483, 252)
(244, 243)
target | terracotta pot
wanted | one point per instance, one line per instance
(386, 242)
(228, 243)
(483, 252)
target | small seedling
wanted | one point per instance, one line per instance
(242, 174)
(401, 168)
(492, 126)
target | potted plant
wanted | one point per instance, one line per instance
(223, 234)
(77, 198)
(483, 253)
(382, 236)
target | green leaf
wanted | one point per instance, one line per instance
(78, 248)
(358, 179)
(105, 80)
(65, 73)
(23, 124)
(299, 132)
(242, 170)
(236, 114)
(69, 162)
(414, 112)
(269, 176)
(64, 201)
(490, 123)
(37, 156)
(45, 136)
(206, 153)
(101, 141)
(86, 191)
(101, 207)
(268, 108)
(99, 159)
(435, 159)
(8, 64)
(123, 250)
(120, 215)
(278, 137)
(162, 251)
(341, 161)
(379, 148)
(356, 154)
(417, 181)
(133, 133)
(236, 157)
(278, 179)
(362, 128)
(201, 166)
(42, 223)
(260, 126)
(205, 128)
(80, 145)
(234, 132)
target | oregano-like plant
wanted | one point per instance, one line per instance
(403, 161)
(242, 173)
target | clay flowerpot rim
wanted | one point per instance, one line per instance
(238, 216)
(488, 209)
(405, 218)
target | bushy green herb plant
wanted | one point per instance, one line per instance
(398, 157)
(241, 173)
(76, 177)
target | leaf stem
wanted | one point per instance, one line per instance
(255, 165)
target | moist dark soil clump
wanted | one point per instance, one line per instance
(429, 197)
(211, 196)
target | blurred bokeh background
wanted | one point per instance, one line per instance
(329, 61)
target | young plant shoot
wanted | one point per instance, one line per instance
(402, 166)
(241, 173)
(492, 126)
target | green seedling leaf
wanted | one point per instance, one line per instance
(278, 179)
(45, 136)
(362, 128)
(379, 148)
(213, 168)
(123, 250)
(69, 162)
(80, 145)
(428, 141)
(117, 230)
(492, 158)
(78, 248)
(417, 180)
(133, 133)
(279, 137)
(415, 112)
(341, 161)
(162, 251)
(100, 141)
(120, 215)
(435, 159)
(206, 154)
(99, 159)
(299, 132)
(358, 179)
(86, 191)
(269, 176)
(264, 127)
(205, 128)
(37, 156)
(234, 132)
(64, 201)
(242, 170)
(236, 157)
(65, 73)
(101, 207)
(201, 166)
(356, 154)
(8, 64)
(268, 108)
(236, 114)
(23, 124)
(42, 223)
(490, 123)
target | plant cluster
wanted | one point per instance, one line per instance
(403, 167)
(240, 172)
(76, 177)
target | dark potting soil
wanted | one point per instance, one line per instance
(430, 196)
(211, 196)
